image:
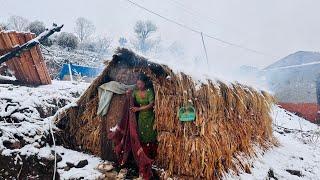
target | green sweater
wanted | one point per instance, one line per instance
(145, 117)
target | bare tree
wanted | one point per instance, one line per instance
(84, 28)
(17, 23)
(143, 30)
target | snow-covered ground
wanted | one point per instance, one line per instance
(299, 150)
(80, 57)
(25, 131)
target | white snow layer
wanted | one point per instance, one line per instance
(32, 125)
(299, 150)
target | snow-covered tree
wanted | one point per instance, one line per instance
(36, 27)
(84, 28)
(3, 26)
(67, 40)
(17, 23)
(102, 44)
(99, 44)
(122, 41)
(143, 31)
(86, 46)
(176, 49)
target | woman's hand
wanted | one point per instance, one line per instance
(129, 92)
(135, 109)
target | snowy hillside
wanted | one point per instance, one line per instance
(55, 57)
(298, 154)
(26, 143)
(293, 78)
(297, 58)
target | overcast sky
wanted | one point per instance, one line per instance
(275, 27)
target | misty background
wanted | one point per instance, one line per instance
(276, 28)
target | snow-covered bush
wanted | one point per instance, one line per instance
(99, 45)
(87, 46)
(67, 40)
(36, 27)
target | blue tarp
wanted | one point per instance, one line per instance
(90, 72)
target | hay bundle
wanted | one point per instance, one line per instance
(231, 119)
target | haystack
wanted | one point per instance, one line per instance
(231, 120)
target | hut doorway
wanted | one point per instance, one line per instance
(127, 76)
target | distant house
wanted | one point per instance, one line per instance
(86, 74)
(294, 81)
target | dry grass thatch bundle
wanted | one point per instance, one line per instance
(230, 120)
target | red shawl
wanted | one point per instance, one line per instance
(126, 140)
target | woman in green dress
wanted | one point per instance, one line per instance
(144, 102)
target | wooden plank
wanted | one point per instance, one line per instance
(21, 62)
(43, 63)
(11, 64)
(17, 70)
(28, 60)
(36, 61)
(3, 46)
(44, 66)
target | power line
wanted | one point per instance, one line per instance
(197, 31)
(193, 12)
(197, 13)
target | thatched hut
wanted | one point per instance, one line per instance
(231, 120)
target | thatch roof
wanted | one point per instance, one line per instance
(231, 119)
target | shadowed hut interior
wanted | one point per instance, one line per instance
(231, 120)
